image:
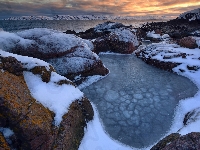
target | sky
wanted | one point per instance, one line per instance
(173, 8)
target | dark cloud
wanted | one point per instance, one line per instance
(89, 7)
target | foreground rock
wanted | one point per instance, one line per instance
(32, 123)
(111, 37)
(3, 144)
(70, 56)
(176, 142)
(188, 42)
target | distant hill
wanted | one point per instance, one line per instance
(86, 17)
(191, 15)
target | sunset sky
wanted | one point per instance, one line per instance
(10, 8)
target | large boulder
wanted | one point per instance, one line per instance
(177, 142)
(70, 55)
(190, 141)
(111, 37)
(188, 42)
(31, 122)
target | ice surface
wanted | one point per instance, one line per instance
(135, 100)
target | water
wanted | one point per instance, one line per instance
(62, 25)
(136, 101)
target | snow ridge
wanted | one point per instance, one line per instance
(86, 17)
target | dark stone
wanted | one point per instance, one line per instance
(165, 141)
(189, 141)
(12, 65)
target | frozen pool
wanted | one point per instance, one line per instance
(136, 101)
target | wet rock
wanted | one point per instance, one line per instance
(12, 65)
(3, 144)
(188, 142)
(188, 42)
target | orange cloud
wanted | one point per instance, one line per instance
(113, 7)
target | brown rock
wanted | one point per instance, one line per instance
(12, 65)
(73, 125)
(189, 141)
(112, 43)
(3, 144)
(32, 123)
(165, 141)
(188, 42)
(44, 72)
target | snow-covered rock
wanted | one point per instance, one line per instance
(37, 111)
(191, 15)
(113, 37)
(70, 55)
(87, 17)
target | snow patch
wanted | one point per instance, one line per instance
(56, 98)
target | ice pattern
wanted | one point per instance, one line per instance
(136, 101)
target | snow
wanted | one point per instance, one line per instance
(96, 138)
(158, 51)
(126, 36)
(6, 132)
(49, 94)
(194, 14)
(48, 40)
(28, 62)
(152, 34)
(9, 40)
(88, 17)
(90, 80)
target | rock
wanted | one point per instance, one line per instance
(191, 116)
(189, 141)
(12, 65)
(112, 37)
(165, 141)
(32, 123)
(112, 43)
(188, 42)
(3, 144)
(73, 125)
(44, 72)
(67, 53)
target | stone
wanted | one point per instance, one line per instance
(32, 123)
(165, 141)
(191, 116)
(188, 42)
(112, 43)
(190, 141)
(68, 54)
(3, 144)
(12, 65)
(44, 72)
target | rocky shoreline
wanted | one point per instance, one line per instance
(75, 57)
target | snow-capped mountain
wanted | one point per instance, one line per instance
(86, 17)
(191, 15)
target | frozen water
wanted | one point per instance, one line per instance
(136, 101)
